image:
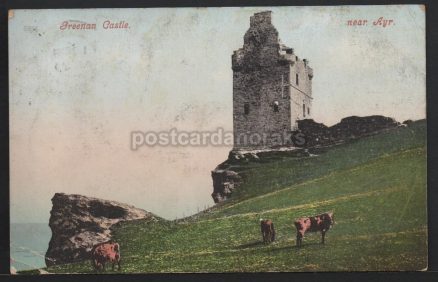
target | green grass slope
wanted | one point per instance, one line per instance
(376, 187)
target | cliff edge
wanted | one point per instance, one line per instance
(79, 222)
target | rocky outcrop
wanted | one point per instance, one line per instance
(78, 223)
(241, 156)
(224, 182)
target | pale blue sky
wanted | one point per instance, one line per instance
(75, 96)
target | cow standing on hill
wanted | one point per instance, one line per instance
(268, 231)
(321, 222)
(106, 252)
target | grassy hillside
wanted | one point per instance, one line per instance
(376, 187)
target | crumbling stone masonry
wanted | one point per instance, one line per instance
(272, 86)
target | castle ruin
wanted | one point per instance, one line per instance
(272, 86)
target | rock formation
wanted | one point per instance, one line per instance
(78, 223)
(224, 182)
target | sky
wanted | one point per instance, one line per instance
(76, 95)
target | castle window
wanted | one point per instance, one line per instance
(304, 110)
(308, 111)
(296, 79)
(286, 90)
(284, 87)
(246, 108)
(276, 106)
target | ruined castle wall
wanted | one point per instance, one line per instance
(261, 104)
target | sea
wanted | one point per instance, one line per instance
(29, 243)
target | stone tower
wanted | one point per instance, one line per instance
(272, 87)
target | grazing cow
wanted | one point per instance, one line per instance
(268, 231)
(106, 252)
(321, 222)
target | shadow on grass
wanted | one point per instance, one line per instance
(295, 247)
(250, 245)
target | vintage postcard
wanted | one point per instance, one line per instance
(234, 139)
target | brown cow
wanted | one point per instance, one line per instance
(321, 222)
(268, 231)
(106, 252)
